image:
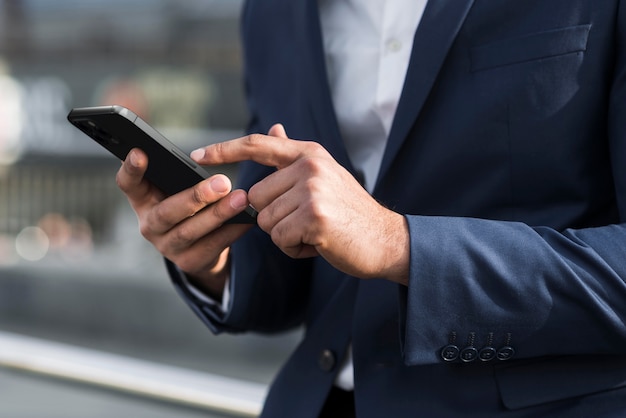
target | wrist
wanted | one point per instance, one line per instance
(399, 251)
(213, 280)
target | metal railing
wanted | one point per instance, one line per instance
(133, 376)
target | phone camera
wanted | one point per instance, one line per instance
(91, 129)
(106, 139)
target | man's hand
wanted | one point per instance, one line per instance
(311, 205)
(186, 228)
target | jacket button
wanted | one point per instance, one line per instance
(450, 352)
(505, 353)
(326, 360)
(469, 354)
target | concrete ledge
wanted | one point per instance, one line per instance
(138, 377)
(135, 317)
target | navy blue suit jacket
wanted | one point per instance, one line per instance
(508, 157)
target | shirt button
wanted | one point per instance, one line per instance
(393, 45)
(326, 360)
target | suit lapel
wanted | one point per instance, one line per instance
(435, 34)
(315, 84)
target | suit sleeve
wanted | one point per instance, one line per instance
(538, 290)
(267, 289)
(547, 293)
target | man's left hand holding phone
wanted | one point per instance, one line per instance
(190, 228)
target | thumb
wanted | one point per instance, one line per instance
(277, 130)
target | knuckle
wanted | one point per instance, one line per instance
(219, 212)
(158, 215)
(218, 148)
(311, 166)
(264, 222)
(199, 196)
(253, 139)
(317, 213)
(145, 230)
(315, 148)
(277, 237)
(314, 167)
(313, 187)
(253, 194)
(182, 236)
(120, 181)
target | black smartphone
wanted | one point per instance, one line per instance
(119, 130)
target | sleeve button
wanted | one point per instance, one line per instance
(505, 353)
(469, 354)
(487, 354)
(450, 352)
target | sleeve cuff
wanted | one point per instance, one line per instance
(212, 313)
(203, 297)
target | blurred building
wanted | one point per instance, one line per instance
(175, 63)
(73, 267)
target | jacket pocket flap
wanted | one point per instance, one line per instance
(530, 47)
(558, 378)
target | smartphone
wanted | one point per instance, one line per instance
(119, 130)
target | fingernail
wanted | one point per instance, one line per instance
(219, 184)
(238, 201)
(197, 154)
(134, 160)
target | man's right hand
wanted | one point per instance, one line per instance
(187, 228)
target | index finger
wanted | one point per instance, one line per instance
(270, 151)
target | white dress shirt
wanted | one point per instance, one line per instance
(368, 45)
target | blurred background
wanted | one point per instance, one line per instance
(76, 279)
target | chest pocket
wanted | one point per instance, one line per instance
(531, 47)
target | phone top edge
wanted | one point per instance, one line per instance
(127, 113)
(102, 110)
(79, 115)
